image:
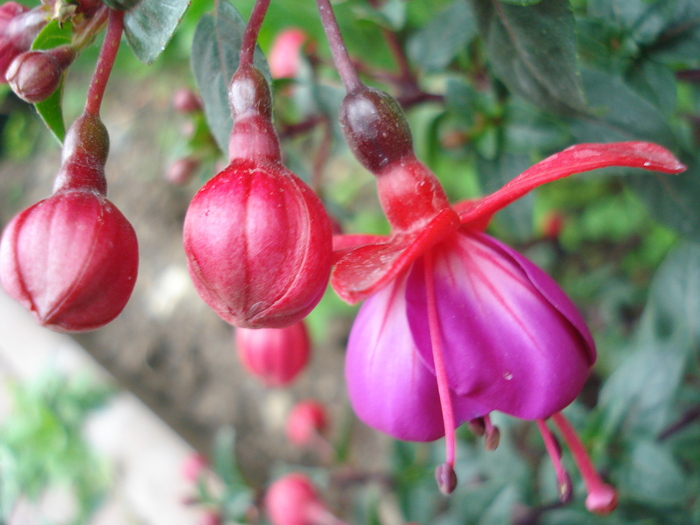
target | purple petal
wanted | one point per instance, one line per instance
(390, 388)
(512, 340)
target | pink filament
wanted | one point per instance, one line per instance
(563, 478)
(602, 498)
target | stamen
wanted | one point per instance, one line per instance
(447, 480)
(564, 485)
(477, 426)
(493, 434)
(602, 498)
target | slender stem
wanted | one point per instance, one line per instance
(105, 62)
(252, 30)
(346, 70)
(439, 360)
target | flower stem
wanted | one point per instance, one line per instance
(602, 498)
(252, 30)
(105, 62)
(445, 473)
(346, 70)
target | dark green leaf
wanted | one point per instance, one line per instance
(515, 219)
(51, 109)
(533, 50)
(681, 38)
(655, 82)
(215, 49)
(619, 114)
(673, 199)
(438, 42)
(653, 476)
(150, 25)
(391, 15)
(521, 2)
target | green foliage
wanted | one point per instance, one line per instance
(41, 443)
(150, 25)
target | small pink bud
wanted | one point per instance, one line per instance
(182, 170)
(210, 517)
(602, 500)
(285, 54)
(18, 28)
(186, 101)
(35, 75)
(71, 260)
(275, 355)
(193, 467)
(293, 500)
(306, 421)
(258, 245)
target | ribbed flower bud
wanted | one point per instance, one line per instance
(306, 421)
(275, 355)
(257, 239)
(72, 258)
(18, 28)
(35, 75)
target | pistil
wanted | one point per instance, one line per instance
(444, 474)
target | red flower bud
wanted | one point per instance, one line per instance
(306, 421)
(552, 224)
(258, 245)
(275, 355)
(258, 240)
(18, 28)
(293, 500)
(193, 466)
(35, 75)
(72, 258)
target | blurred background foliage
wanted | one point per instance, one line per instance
(491, 88)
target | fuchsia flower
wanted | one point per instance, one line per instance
(455, 323)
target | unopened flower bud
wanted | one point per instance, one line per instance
(258, 245)
(293, 500)
(72, 258)
(275, 355)
(186, 101)
(35, 75)
(306, 421)
(285, 54)
(18, 28)
(182, 170)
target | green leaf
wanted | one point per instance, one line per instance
(215, 49)
(673, 199)
(438, 42)
(533, 50)
(51, 109)
(653, 476)
(619, 113)
(517, 218)
(150, 26)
